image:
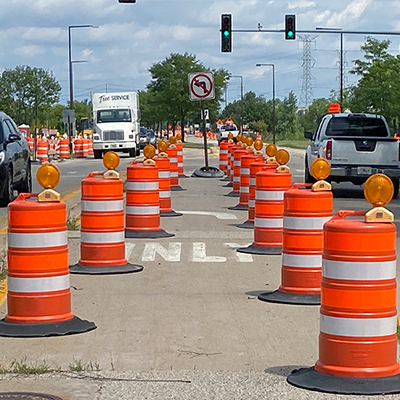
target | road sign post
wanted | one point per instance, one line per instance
(201, 88)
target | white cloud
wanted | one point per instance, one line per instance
(301, 4)
(29, 51)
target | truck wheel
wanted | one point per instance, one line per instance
(138, 152)
(132, 152)
(308, 178)
(97, 154)
(396, 187)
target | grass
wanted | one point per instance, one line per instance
(294, 144)
(398, 330)
(73, 223)
(196, 145)
(80, 366)
(26, 368)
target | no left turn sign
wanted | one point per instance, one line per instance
(201, 86)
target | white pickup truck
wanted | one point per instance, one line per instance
(356, 146)
(225, 130)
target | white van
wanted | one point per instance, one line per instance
(116, 123)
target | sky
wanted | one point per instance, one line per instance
(129, 38)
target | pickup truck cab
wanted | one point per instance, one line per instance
(356, 146)
(224, 131)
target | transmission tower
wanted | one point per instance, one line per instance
(307, 63)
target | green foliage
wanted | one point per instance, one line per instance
(25, 92)
(313, 115)
(25, 367)
(80, 366)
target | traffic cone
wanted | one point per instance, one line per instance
(358, 316)
(39, 296)
(103, 226)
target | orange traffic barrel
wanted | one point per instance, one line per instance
(31, 142)
(164, 176)
(179, 156)
(173, 159)
(64, 149)
(229, 171)
(305, 212)
(358, 317)
(85, 147)
(41, 150)
(39, 296)
(223, 155)
(90, 147)
(78, 148)
(255, 167)
(143, 202)
(237, 156)
(244, 188)
(268, 220)
(102, 228)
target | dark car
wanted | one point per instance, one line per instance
(143, 137)
(15, 164)
(151, 137)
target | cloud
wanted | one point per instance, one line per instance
(301, 4)
(29, 51)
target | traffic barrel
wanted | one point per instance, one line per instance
(173, 159)
(237, 156)
(179, 155)
(31, 142)
(41, 150)
(143, 200)
(268, 220)
(85, 147)
(223, 155)
(64, 149)
(164, 176)
(229, 171)
(358, 316)
(39, 296)
(102, 223)
(78, 148)
(90, 146)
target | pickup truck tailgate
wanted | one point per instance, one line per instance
(370, 152)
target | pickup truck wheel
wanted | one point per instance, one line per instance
(97, 154)
(138, 151)
(308, 178)
(396, 187)
(132, 153)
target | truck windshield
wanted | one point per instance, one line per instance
(359, 126)
(114, 115)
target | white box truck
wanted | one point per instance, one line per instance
(116, 123)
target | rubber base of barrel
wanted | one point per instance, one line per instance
(132, 234)
(308, 378)
(177, 188)
(109, 270)
(69, 327)
(261, 250)
(246, 225)
(239, 207)
(170, 214)
(232, 194)
(230, 184)
(290, 298)
(225, 179)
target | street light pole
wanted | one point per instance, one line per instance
(273, 99)
(241, 101)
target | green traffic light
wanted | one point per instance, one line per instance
(226, 33)
(290, 33)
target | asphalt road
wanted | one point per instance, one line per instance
(189, 326)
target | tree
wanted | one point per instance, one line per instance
(313, 115)
(287, 121)
(27, 91)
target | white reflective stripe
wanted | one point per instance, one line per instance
(236, 163)
(223, 152)
(142, 210)
(180, 164)
(35, 285)
(102, 237)
(173, 160)
(252, 203)
(141, 186)
(302, 260)
(236, 179)
(229, 166)
(252, 181)
(244, 171)
(38, 240)
(268, 222)
(244, 189)
(363, 271)
(174, 174)
(164, 174)
(362, 327)
(305, 222)
(180, 153)
(269, 195)
(164, 194)
(112, 205)
(223, 162)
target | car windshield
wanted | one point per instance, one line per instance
(114, 115)
(359, 126)
(230, 128)
(150, 133)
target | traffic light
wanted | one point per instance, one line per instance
(226, 33)
(290, 27)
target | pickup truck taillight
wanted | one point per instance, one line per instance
(328, 150)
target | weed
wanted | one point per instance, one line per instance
(73, 223)
(25, 367)
(79, 366)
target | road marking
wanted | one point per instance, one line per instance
(242, 257)
(209, 213)
(69, 195)
(3, 230)
(199, 254)
(128, 249)
(72, 172)
(172, 254)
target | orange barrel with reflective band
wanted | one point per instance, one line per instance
(64, 149)
(90, 147)
(173, 160)
(255, 167)
(237, 157)
(85, 147)
(164, 182)
(31, 142)
(41, 150)
(358, 316)
(38, 274)
(102, 227)
(223, 155)
(231, 148)
(143, 202)
(268, 220)
(78, 148)
(179, 156)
